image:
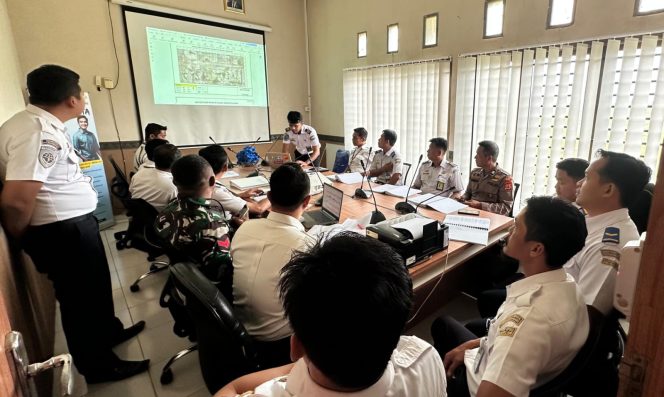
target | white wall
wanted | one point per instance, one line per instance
(333, 28)
(77, 34)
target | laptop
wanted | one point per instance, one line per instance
(329, 213)
(277, 159)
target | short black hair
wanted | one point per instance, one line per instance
(294, 117)
(165, 155)
(152, 145)
(490, 148)
(440, 143)
(289, 186)
(629, 174)
(348, 301)
(52, 84)
(82, 117)
(574, 167)
(558, 225)
(216, 156)
(190, 173)
(391, 136)
(361, 132)
(153, 129)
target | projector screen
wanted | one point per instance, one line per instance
(198, 78)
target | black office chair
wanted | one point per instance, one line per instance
(226, 351)
(516, 191)
(140, 234)
(581, 374)
(120, 189)
(639, 210)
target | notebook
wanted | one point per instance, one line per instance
(249, 183)
(470, 229)
(396, 191)
(329, 213)
(441, 204)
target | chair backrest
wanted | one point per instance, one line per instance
(341, 160)
(516, 191)
(639, 210)
(141, 232)
(225, 348)
(583, 359)
(119, 183)
(405, 169)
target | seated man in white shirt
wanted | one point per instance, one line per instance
(543, 322)
(218, 159)
(386, 165)
(360, 153)
(348, 300)
(152, 131)
(568, 173)
(260, 249)
(438, 176)
(155, 185)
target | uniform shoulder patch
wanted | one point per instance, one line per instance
(507, 331)
(609, 253)
(307, 130)
(610, 262)
(611, 235)
(508, 185)
(48, 154)
(52, 143)
(514, 318)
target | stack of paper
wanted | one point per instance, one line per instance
(349, 178)
(249, 183)
(396, 191)
(470, 229)
(441, 204)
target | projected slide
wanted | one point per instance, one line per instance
(191, 69)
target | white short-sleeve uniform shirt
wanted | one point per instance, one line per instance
(304, 141)
(34, 146)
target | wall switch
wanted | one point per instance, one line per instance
(307, 109)
(97, 81)
(450, 156)
(108, 83)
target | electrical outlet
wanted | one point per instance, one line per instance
(108, 83)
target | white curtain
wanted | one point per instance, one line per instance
(412, 99)
(630, 111)
(536, 104)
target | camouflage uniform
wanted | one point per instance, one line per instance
(491, 188)
(199, 231)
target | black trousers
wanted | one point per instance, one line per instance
(448, 334)
(305, 157)
(71, 254)
(274, 353)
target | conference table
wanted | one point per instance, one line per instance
(437, 279)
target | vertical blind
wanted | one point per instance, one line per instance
(412, 99)
(546, 104)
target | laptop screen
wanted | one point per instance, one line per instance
(332, 199)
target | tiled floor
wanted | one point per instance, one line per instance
(158, 342)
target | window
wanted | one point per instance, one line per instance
(393, 38)
(493, 18)
(561, 13)
(410, 98)
(546, 104)
(644, 7)
(430, 34)
(362, 44)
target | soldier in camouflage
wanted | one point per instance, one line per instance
(490, 187)
(194, 225)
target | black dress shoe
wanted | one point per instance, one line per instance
(128, 333)
(119, 370)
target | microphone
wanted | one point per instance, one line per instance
(405, 207)
(230, 163)
(376, 216)
(424, 201)
(318, 202)
(361, 193)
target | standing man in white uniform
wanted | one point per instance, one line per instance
(47, 206)
(347, 339)
(304, 138)
(439, 176)
(386, 165)
(542, 324)
(360, 153)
